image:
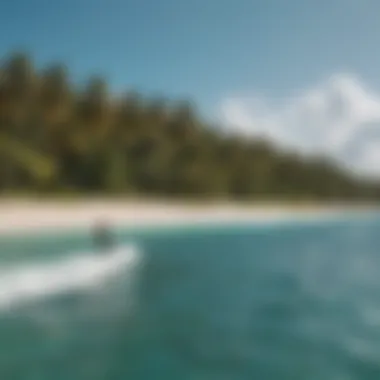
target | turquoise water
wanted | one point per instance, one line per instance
(285, 301)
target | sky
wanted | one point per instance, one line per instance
(305, 73)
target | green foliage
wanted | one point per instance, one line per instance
(58, 139)
(39, 166)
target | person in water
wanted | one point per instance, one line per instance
(103, 238)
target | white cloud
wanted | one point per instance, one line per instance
(340, 118)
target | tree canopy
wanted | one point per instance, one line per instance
(57, 138)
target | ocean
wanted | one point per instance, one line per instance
(272, 301)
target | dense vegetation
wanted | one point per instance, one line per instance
(55, 138)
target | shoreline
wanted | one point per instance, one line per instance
(19, 217)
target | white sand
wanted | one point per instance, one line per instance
(28, 216)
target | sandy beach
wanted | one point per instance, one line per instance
(21, 216)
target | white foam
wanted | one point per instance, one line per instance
(29, 282)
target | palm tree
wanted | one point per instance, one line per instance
(55, 100)
(18, 88)
(94, 116)
(130, 118)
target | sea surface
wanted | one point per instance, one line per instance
(278, 301)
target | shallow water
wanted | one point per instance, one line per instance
(290, 301)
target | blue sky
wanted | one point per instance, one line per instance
(202, 48)
(212, 51)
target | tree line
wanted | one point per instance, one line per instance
(58, 138)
